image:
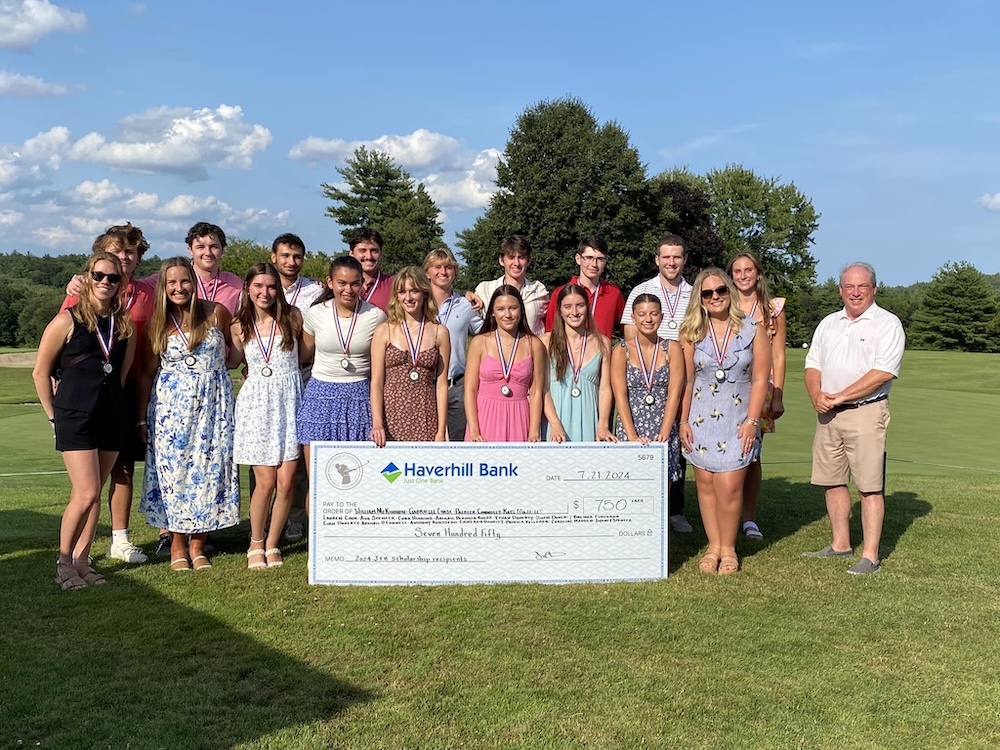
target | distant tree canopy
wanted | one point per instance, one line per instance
(959, 311)
(381, 195)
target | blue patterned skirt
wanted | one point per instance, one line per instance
(334, 411)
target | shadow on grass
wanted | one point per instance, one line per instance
(124, 665)
(785, 507)
(901, 510)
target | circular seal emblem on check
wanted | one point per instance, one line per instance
(344, 471)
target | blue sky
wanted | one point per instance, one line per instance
(886, 114)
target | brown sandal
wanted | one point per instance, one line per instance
(68, 579)
(91, 577)
(201, 563)
(180, 563)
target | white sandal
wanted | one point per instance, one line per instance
(752, 531)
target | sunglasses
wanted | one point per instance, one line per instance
(722, 291)
(112, 278)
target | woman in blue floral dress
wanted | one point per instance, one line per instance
(727, 370)
(191, 485)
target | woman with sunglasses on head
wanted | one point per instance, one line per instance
(727, 367)
(647, 373)
(265, 335)
(578, 399)
(191, 486)
(505, 375)
(89, 347)
(755, 301)
(410, 355)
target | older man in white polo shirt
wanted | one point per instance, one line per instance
(855, 355)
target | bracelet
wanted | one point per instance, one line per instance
(143, 423)
(683, 422)
(754, 422)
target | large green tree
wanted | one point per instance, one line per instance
(563, 176)
(959, 311)
(773, 219)
(382, 195)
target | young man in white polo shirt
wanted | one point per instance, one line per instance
(674, 293)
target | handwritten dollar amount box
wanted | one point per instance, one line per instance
(428, 513)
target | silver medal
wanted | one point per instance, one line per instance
(345, 363)
(414, 376)
(671, 324)
(575, 393)
(505, 390)
(190, 360)
(108, 369)
(720, 375)
(650, 399)
(266, 371)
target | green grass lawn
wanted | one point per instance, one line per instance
(791, 652)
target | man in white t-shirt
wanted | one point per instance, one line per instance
(855, 355)
(674, 293)
(514, 258)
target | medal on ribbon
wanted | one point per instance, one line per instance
(575, 392)
(414, 348)
(106, 344)
(720, 351)
(647, 375)
(672, 307)
(506, 365)
(378, 280)
(190, 360)
(345, 341)
(204, 290)
(266, 370)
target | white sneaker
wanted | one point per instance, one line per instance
(680, 524)
(126, 552)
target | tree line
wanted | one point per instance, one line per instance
(563, 176)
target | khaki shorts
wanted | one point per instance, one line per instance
(851, 443)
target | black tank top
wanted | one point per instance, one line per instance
(82, 379)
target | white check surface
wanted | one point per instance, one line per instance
(428, 513)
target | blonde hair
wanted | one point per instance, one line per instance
(86, 306)
(440, 255)
(160, 325)
(695, 325)
(415, 276)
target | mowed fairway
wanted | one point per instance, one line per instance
(790, 653)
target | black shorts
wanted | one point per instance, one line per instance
(100, 429)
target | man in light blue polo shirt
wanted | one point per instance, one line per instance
(456, 313)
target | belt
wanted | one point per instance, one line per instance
(845, 407)
(455, 380)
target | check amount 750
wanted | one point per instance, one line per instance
(627, 506)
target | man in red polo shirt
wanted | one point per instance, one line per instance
(606, 301)
(366, 247)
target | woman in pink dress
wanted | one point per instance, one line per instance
(505, 375)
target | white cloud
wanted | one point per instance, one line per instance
(14, 84)
(992, 202)
(143, 201)
(179, 141)
(96, 193)
(10, 218)
(466, 189)
(53, 237)
(24, 22)
(420, 150)
(190, 206)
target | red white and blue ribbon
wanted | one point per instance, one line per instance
(647, 375)
(583, 352)
(414, 350)
(265, 352)
(204, 290)
(506, 365)
(345, 342)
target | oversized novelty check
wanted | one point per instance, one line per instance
(421, 513)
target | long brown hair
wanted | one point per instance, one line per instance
(281, 311)
(86, 305)
(557, 341)
(160, 326)
(763, 296)
(490, 322)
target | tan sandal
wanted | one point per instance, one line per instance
(274, 552)
(181, 563)
(91, 577)
(729, 565)
(201, 563)
(68, 579)
(709, 562)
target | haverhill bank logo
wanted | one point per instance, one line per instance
(391, 472)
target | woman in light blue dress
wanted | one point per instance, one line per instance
(191, 485)
(728, 366)
(579, 396)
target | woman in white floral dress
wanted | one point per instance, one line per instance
(265, 335)
(191, 485)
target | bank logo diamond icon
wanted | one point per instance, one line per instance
(391, 472)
